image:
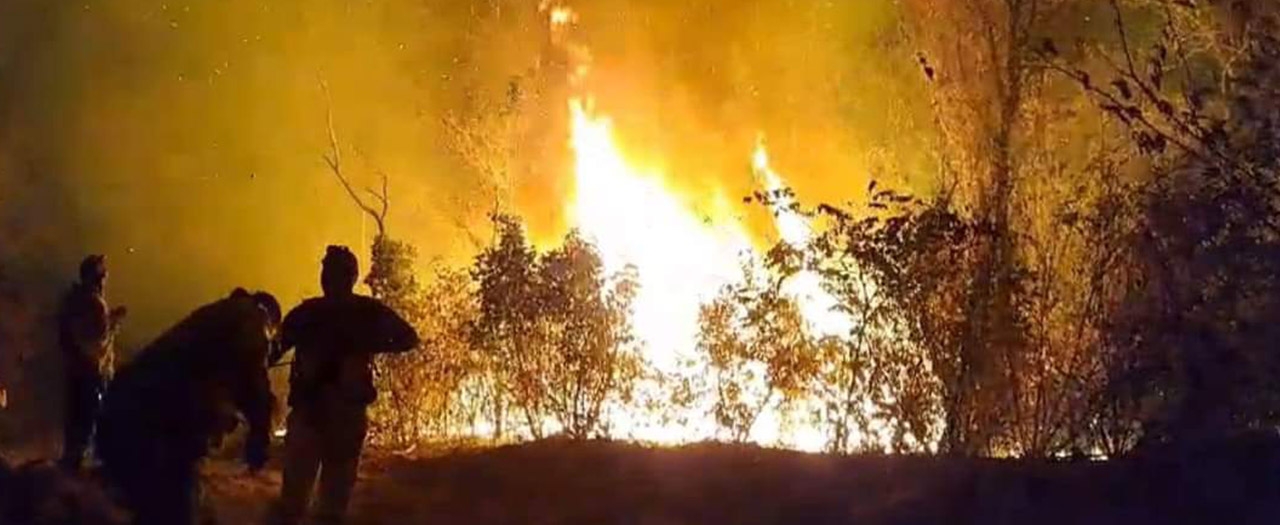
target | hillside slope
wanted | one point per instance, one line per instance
(600, 482)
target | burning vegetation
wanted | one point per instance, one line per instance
(1038, 303)
(1073, 250)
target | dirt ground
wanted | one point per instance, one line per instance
(600, 482)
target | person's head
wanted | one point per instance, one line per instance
(339, 271)
(263, 300)
(270, 305)
(93, 271)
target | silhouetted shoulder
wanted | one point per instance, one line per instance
(307, 308)
(372, 306)
(301, 317)
(383, 330)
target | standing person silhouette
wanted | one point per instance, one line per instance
(86, 330)
(335, 338)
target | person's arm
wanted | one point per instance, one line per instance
(92, 327)
(397, 335)
(277, 353)
(253, 398)
(115, 318)
(290, 329)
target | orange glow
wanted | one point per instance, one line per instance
(683, 257)
(561, 16)
(817, 306)
(683, 260)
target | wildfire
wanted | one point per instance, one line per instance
(683, 260)
(683, 257)
(817, 306)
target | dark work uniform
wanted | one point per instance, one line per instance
(330, 386)
(163, 408)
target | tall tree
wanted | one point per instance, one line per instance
(976, 51)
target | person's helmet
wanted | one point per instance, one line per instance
(93, 269)
(339, 270)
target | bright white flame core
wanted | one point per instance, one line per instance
(682, 260)
(562, 15)
(634, 219)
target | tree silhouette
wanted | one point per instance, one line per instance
(1193, 343)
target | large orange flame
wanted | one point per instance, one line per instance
(683, 257)
(683, 260)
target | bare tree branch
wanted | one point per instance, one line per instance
(334, 160)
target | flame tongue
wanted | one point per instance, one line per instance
(683, 258)
(816, 304)
(635, 219)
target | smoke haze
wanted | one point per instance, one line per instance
(185, 139)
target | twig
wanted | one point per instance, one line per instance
(334, 160)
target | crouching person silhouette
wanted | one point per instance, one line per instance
(166, 405)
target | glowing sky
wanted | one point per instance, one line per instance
(184, 139)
